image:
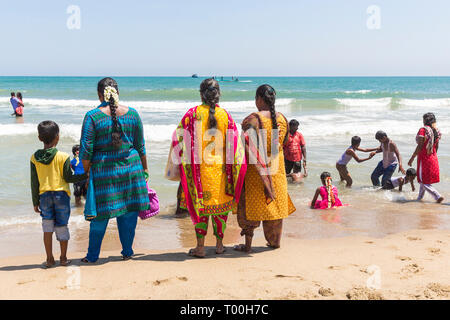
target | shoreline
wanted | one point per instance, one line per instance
(406, 265)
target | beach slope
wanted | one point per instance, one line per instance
(409, 265)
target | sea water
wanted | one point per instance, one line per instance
(330, 110)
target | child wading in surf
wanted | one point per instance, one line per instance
(399, 182)
(328, 192)
(347, 156)
(79, 188)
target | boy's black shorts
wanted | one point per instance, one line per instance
(79, 189)
(296, 165)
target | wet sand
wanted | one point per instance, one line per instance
(371, 213)
(407, 265)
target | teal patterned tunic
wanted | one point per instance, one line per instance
(118, 175)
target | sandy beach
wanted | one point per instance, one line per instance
(408, 265)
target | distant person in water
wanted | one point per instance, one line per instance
(19, 110)
(17, 104)
(328, 193)
(427, 140)
(79, 188)
(391, 159)
(347, 156)
(399, 182)
(50, 178)
(294, 152)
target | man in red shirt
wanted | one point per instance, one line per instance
(295, 150)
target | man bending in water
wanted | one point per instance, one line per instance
(391, 158)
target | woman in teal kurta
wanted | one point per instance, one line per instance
(113, 151)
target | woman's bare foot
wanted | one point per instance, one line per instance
(242, 248)
(49, 263)
(197, 252)
(220, 249)
(440, 200)
(64, 262)
(272, 246)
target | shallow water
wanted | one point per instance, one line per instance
(330, 111)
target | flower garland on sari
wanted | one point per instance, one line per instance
(331, 199)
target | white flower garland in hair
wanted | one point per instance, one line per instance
(111, 92)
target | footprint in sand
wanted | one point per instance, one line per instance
(410, 270)
(436, 291)
(434, 251)
(335, 268)
(25, 282)
(159, 282)
(360, 293)
(285, 276)
(414, 238)
(326, 292)
(403, 258)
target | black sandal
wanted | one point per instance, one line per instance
(85, 260)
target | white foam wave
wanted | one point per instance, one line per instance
(425, 103)
(140, 105)
(375, 103)
(35, 219)
(364, 127)
(155, 133)
(358, 91)
(313, 126)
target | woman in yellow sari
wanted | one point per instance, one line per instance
(212, 165)
(265, 197)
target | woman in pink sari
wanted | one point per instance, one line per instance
(212, 165)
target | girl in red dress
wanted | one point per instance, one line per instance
(427, 161)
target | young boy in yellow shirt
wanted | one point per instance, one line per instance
(50, 178)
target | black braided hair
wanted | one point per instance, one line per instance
(429, 119)
(268, 94)
(210, 94)
(117, 132)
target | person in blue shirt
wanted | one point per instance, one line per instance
(14, 102)
(77, 166)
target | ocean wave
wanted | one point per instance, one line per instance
(390, 102)
(375, 103)
(140, 105)
(154, 133)
(314, 126)
(35, 219)
(358, 91)
(425, 103)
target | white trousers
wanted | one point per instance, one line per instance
(429, 188)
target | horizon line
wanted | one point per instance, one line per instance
(235, 76)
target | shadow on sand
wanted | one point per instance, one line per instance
(160, 257)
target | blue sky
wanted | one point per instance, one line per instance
(247, 37)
